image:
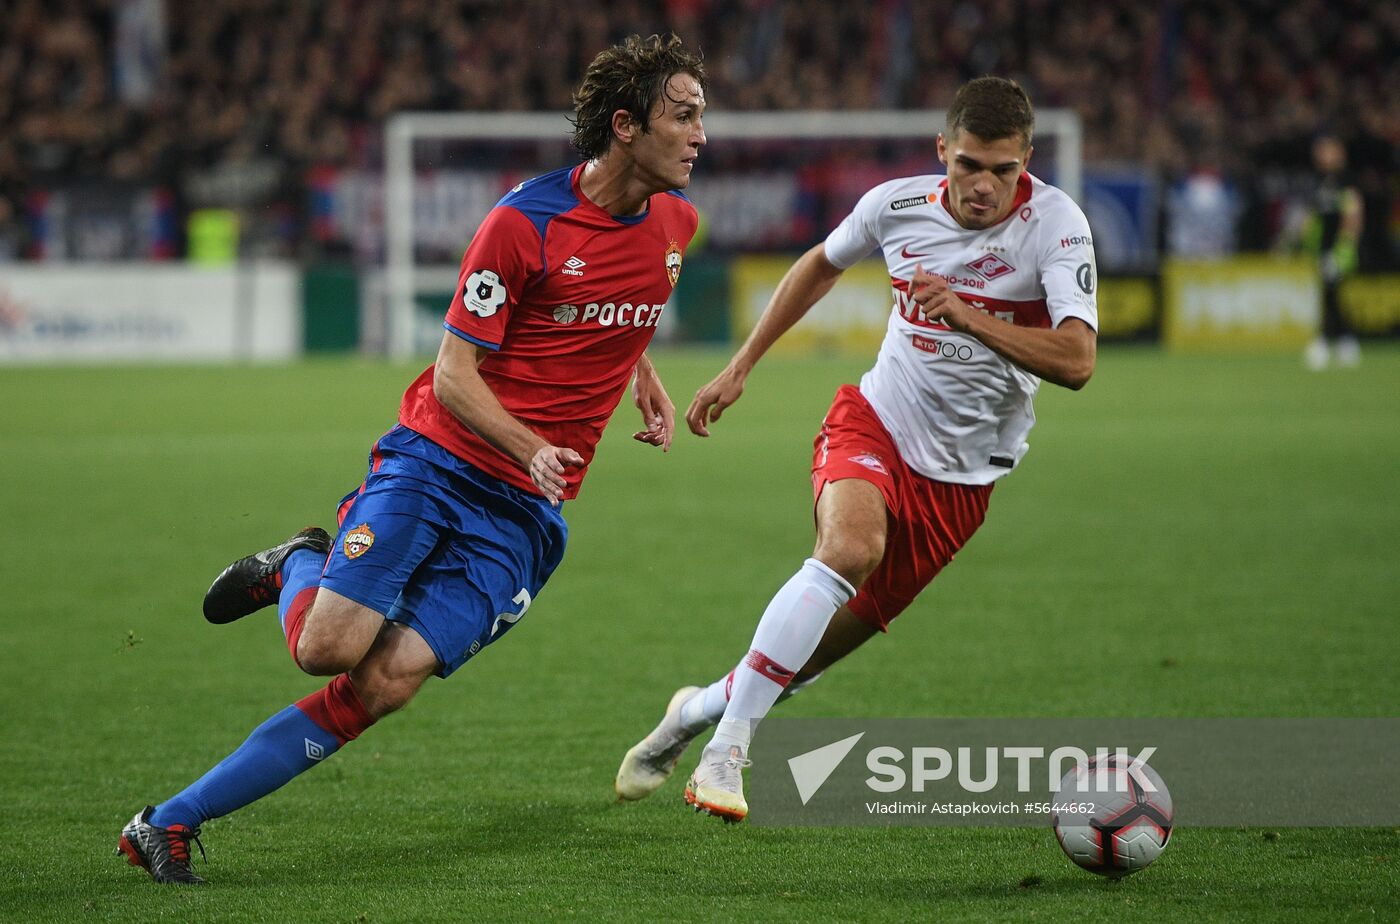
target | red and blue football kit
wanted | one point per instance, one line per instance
(568, 297)
(449, 535)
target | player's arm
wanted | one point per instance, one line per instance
(658, 413)
(804, 284)
(458, 385)
(1063, 355)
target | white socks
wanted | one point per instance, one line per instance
(788, 633)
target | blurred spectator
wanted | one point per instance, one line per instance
(245, 98)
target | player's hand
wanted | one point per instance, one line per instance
(710, 401)
(658, 413)
(547, 470)
(939, 302)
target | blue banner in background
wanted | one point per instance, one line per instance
(1123, 205)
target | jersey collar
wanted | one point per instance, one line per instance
(576, 178)
(1023, 195)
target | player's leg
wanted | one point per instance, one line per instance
(694, 710)
(334, 616)
(285, 746)
(335, 592)
(851, 527)
(1337, 328)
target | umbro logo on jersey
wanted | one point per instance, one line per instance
(574, 266)
(313, 750)
(909, 203)
(990, 266)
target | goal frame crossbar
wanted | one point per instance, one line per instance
(403, 129)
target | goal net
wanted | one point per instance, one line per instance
(767, 182)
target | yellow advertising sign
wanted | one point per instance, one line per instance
(1244, 302)
(1127, 306)
(851, 318)
(1372, 303)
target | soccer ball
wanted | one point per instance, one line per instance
(1114, 826)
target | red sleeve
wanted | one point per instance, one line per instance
(500, 261)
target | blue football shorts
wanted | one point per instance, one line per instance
(436, 544)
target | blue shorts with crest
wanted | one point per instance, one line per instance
(434, 543)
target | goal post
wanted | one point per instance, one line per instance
(406, 277)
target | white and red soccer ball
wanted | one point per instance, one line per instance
(1115, 816)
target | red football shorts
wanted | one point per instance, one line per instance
(929, 520)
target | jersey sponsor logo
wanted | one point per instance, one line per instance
(990, 266)
(483, 293)
(574, 266)
(1085, 277)
(909, 203)
(610, 314)
(673, 263)
(870, 461)
(1031, 313)
(912, 311)
(1077, 240)
(358, 541)
(943, 348)
(314, 751)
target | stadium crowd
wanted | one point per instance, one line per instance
(182, 94)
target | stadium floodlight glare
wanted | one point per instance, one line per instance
(406, 279)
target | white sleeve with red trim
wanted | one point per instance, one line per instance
(1068, 272)
(500, 261)
(858, 233)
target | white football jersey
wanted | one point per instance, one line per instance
(958, 411)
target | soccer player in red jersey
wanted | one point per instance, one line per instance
(992, 278)
(458, 523)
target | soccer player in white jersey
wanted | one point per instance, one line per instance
(993, 279)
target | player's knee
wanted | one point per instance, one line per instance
(324, 656)
(853, 557)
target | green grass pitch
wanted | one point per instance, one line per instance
(1223, 531)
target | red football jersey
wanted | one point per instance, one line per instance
(568, 297)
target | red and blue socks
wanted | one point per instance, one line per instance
(286, 745)
(301, 577)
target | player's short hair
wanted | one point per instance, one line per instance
(992, 108)
(631, 75)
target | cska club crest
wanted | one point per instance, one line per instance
(358, 541)
(673, 263)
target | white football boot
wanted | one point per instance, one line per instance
(717, 785)
(650, 761)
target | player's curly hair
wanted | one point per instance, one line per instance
(631, 75)
(992, 108)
